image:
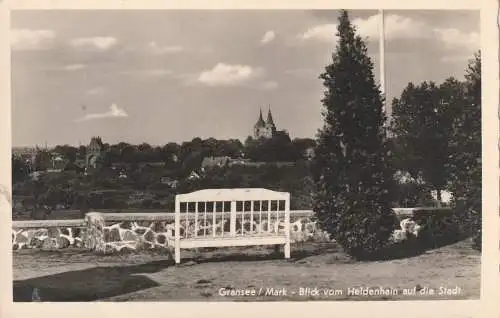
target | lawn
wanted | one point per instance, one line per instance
(76, 275)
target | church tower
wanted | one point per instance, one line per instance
(264, 129)
(270, 122)
(94, 152)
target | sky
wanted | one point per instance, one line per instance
(161, 76)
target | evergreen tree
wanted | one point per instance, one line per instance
(351, 171)
(466, 155)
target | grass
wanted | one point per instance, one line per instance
(75, 275)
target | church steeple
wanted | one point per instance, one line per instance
(260, 121)
(270, 120)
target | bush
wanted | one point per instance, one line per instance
(438, 228)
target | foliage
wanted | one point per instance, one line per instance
(43, 160)
(68, 152)
(422, 127)
(412, 194)
(351, 171)
(277, 148)
(466, 159)
(20, 170)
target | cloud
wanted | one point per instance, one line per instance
(324, 33)
(74, 67)
(114, 112)
(397, 27)
(268, 37)
(229, 75)
(99, 43)
(95, 91)
(153, 46)
(453, 37)
(149, 72)
(26, 39)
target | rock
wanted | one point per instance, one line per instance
(128, 235)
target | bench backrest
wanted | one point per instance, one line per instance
(217, 213)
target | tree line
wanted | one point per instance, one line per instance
(189, 154)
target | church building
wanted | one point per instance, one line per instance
(264, 129)
(94, 152)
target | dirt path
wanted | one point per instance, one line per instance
(81, 276)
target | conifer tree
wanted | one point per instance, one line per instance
(351, 171)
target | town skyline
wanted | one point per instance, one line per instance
(146, 82)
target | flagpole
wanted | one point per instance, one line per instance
(382, 63)
(382, 54)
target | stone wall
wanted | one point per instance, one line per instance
(49, 234)
(114, 232)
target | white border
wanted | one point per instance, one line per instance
(486, 307)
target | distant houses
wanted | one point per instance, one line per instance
(96, 156)
(213, 162)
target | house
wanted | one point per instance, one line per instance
(122, 175)
(193, 176)
(309, 153)
(211, 162)
(54, 170)
(58, 161)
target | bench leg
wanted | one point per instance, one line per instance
(177, 253)
(287, 250)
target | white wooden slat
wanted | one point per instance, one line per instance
(242, 218)
(223, 220)
(214, 220)
(205, 219)
(276, 227)
(187, 220)
(268, 216)
(196, 219)
(251, 217)
(232, 218)
(260, 217)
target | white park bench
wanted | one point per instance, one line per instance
(232, 217)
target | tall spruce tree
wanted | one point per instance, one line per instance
(466, 154)
(351, 172)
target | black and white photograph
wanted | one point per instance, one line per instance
(246, 155)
